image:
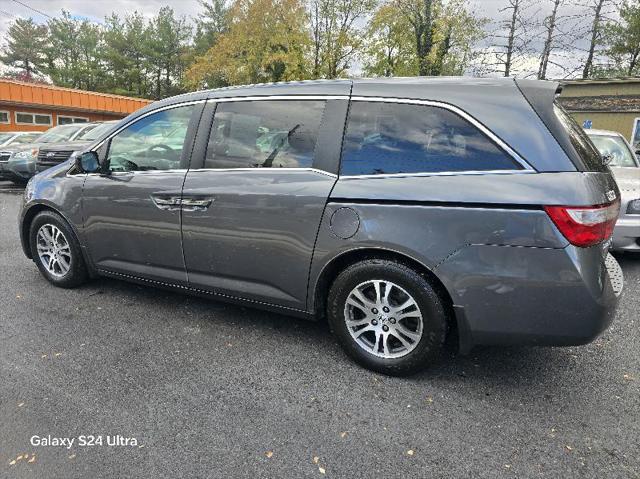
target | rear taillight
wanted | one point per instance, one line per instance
(585, 225)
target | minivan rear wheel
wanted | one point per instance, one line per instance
(56, 250)
(387, 316)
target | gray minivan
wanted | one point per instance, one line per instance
(403, 210)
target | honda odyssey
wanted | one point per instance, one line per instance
(402, 210)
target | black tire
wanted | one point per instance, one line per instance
(77, 273)
(431, 306)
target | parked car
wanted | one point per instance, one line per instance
(18, 137)
(56, 153)
(18, 163)
(403, 210)
(626, 169)
(11, 139)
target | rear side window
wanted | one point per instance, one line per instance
(387, 138)
(581, 143)
(264, 134)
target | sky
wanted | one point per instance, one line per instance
(96, 10)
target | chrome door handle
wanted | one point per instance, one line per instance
(196, 204)
(167, 202)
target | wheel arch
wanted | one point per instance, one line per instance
(337, 264)
(27, 219)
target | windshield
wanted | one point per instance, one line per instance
(95, 132)
(616, 148)
(59, 134)
(29, 138)
(5, 136)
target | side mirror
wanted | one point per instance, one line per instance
(607, 159)
(88, 162)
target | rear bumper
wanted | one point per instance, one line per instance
(626, 234)
(529, 296)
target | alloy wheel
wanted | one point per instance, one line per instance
(54, 250)
(383, 319)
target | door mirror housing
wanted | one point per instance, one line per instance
(88, 162)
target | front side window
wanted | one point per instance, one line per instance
(153, 143)
(264, 134)
(388, 138)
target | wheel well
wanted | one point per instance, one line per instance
(337, 265)
(26, 226)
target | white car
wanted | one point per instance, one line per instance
(626, 168)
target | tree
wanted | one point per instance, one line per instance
(126, 44)
(595, 35)
(267, 41)
(549, 25)
(393, 48)
(167, 50)
(74, 53)
(210, 24)
(623, 39)
(420, 16)
(390, 49)
(457, 31)
(25, 49)
(336, 37)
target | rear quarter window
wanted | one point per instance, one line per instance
(391, 138)
(589, 154)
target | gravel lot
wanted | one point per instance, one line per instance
(214, 390)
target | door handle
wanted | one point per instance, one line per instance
(167, 202)
(186, 204)
(196, 204)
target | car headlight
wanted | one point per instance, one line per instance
(634, 207)
(25, 155)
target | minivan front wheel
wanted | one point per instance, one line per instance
(387, 316)
(56, 251)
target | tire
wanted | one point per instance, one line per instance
(76, 272)
(395, 358)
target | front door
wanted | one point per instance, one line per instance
(132, 214)
(253, 204)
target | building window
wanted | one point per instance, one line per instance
(65, 120)
(43, 119)
(4, 117)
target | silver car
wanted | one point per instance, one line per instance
(626, 168)
(402, 210)
(18, 162)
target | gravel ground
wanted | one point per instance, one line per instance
(214, 390)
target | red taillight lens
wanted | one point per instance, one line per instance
(585, 226)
